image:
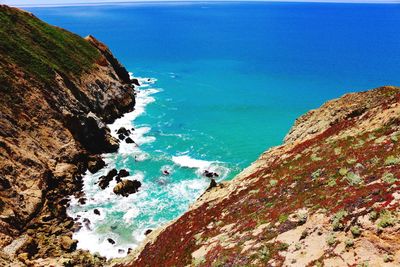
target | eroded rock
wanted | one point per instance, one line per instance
(127, 187)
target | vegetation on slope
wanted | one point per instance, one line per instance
(40, 49)
(331, 199)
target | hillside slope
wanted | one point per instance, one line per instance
(329, 196)
(57, 91)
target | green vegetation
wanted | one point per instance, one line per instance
(389, 178)
(353, 178)
(273, 182)
(265, 254)
(283, 246)
(343, 171)
(373, 215)
(355, 230)
(39, 49)
(349, 243)
(283, 218)
(337, 220)
(386, 219)
(331, 240)
(392, 160)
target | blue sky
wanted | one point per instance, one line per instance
(68, 2)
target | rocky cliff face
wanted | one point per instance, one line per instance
(329, 196)
(57, 91)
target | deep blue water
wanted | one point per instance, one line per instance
(232, 79)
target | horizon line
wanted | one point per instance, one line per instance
(206, 2)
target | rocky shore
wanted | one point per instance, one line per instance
(57, 92)
(329, 196)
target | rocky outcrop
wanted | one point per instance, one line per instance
(126, 187)
(329, 196)
(55, 101)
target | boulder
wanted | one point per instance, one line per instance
(123, 173)
(135, 81)
(123, 131)
(104, 181)
(148, 231)
(127, 187)
(96, 211)
(129, 141)
(112, 242)
(209, 174)
(121, 137)
(95, 164)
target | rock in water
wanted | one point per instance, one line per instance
(95, 164)
(123, 131)
(123, 173)
(104, 181)
(96, 211)
(121, 137)
(135, 82)
(129, 141)
(127, 187)
(112, 242)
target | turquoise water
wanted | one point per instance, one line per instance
(231, 79)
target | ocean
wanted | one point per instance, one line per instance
(221, 83)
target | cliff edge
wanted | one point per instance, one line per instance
(329, 196)
(57, 92)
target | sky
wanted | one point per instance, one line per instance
(69, 2)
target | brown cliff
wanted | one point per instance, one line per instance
(57, 92)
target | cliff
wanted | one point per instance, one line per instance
(57, 92)
(329, 196)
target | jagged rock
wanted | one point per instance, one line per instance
(213, 184)
(92, 133)
(127, 187)
(67, 243)
(117, 66)
(135, 82)
(121, 137)
(4, 183)
(123, 131)
(95, 164)
(129, 141)
(210, 174)
(123, 173)
(104, 181)
(51, 124)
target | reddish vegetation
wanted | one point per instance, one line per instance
(337, 169)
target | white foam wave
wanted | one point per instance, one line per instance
(188, 162)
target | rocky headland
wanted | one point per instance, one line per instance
(57, 92)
